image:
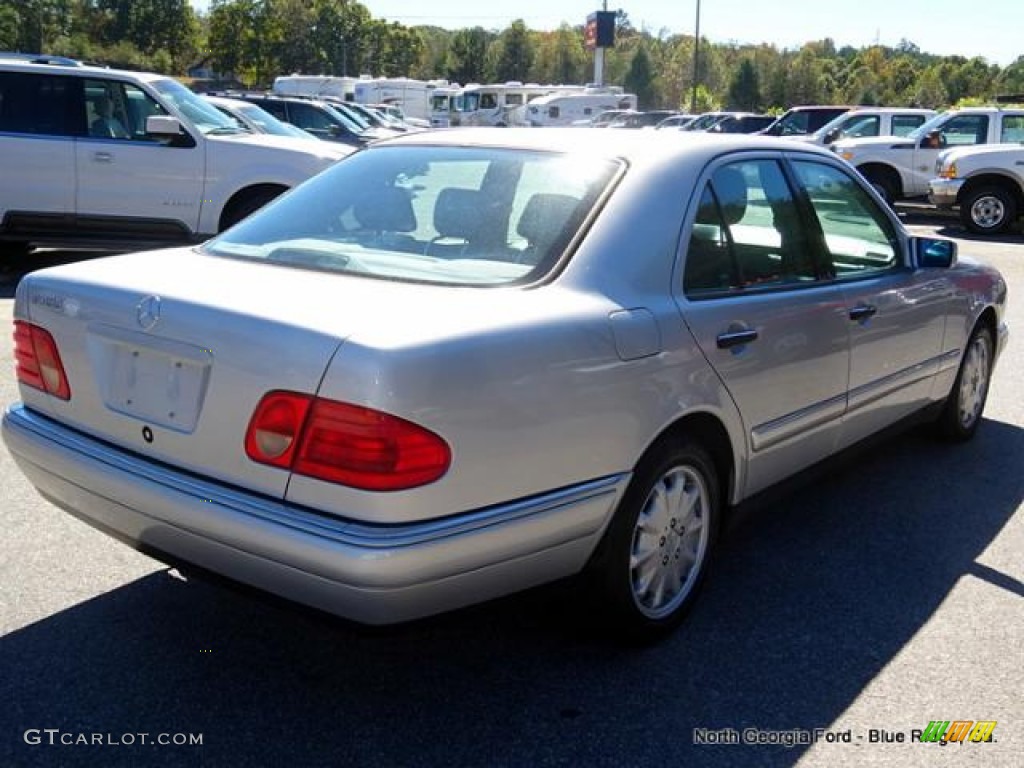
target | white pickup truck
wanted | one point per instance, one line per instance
(901, 168)
(986, 183)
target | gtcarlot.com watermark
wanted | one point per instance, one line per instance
(56, 737)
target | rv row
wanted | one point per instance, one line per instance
(444, 104)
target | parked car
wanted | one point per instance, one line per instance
(317, 117)
(742, 123)
(105, 158)
(870, 121)
(436, 379)
(642, 119)
(707, 120)
(803, 120)
(606, 118)
(986, 184)
(675, 122)
(379, 117)
(255, 119)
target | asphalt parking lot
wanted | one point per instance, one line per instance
(868, 603)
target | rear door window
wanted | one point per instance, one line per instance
(46, 105)
(904, 124)
(747, 234)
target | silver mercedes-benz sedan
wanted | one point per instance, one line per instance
(460, 364)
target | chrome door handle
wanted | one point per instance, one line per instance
(735, 338)
(862, 312)
(102, 157)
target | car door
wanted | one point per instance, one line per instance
(770, 323)
(128, 182)
(896, 314)
(959, 131)
(37, 126)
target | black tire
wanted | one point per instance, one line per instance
(965, 404)
(988, 210)
(883, 182)
(655, 554)
(247, 204)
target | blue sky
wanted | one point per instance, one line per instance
(991, 29)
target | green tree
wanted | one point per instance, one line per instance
(513, 53)
(745, 88)
(10, 21)
(1011, 80)
(560, 57)
(39, 23)
(930, 91)
(467, 55)
(640, 79)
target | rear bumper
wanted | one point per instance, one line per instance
(376, 574)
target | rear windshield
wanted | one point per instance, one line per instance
(452, 215)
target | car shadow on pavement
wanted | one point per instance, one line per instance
(811, 598)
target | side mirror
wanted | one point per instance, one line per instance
(832, 135)
(933, 140)
(163, 126)
(933, 252)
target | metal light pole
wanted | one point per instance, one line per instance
(696, 53)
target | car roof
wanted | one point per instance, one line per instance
(65, 66)
(634, 147)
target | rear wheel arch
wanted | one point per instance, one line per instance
(709, 432)
(246, 201)
(884, 178)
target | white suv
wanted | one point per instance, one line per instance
(112, 159)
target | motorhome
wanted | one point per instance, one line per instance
(413, 96)
(442, 102)
(499, 104)
(316, 85)
(566, 108)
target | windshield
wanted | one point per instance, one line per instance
(197, 110)
(928, 126)
(267, 123)
(344, 119)
(704, 122)
(449, 215)
(849, 126)
(352, 114)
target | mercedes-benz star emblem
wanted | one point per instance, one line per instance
(147, 312)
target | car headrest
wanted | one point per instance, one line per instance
(385, 209)
(545, 216)
(457, 213)
(731, 189)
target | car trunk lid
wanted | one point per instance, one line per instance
(167, 353)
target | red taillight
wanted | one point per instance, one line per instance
(343, 443)
(37, 362)
(275, 426)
